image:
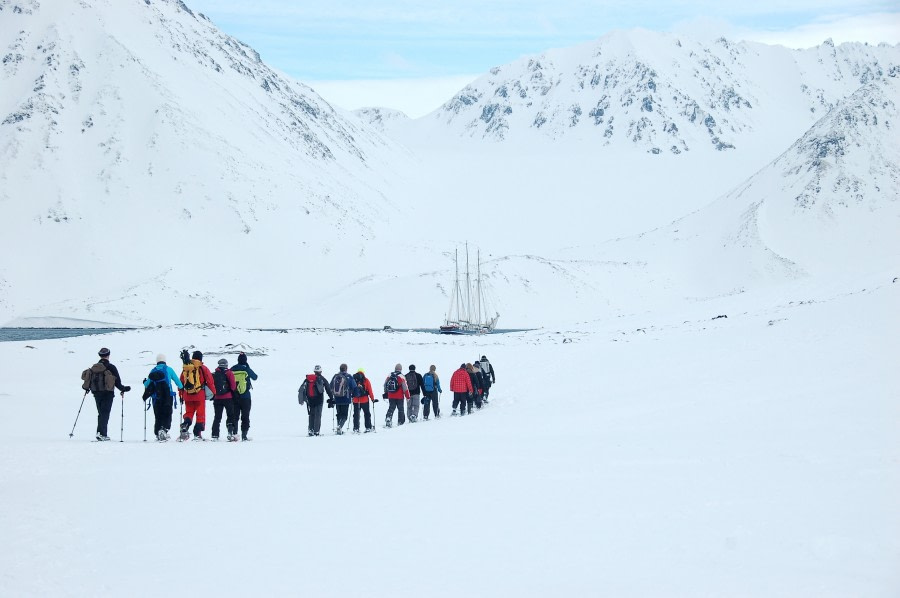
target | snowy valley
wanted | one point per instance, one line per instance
(700, 237)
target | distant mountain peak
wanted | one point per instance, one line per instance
(659, 92)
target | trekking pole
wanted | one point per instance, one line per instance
(72, 433)
(146, 408)
(333, 425)
(122, 428)
(374, 419)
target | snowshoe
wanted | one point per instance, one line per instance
(454, 414)
(232, 438)
(184, 436)
(369, 430)
(245, 438)
(102, 438)
(198, 438)
(388, 424)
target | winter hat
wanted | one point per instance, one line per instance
(160, 358)
(462, 366)
(398, 368)
(197, 355)
(361, 371)
(483, 358)
(104, 352)
(412, 368)
(343, 367)
(223, 363)
(242, 357)
(477, 365)
(317, 369)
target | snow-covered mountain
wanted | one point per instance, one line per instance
(137, 135)
(383, 119)
(827, 208)
(665, 93)
(155, 170)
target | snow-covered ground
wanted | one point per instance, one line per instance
(658, 454)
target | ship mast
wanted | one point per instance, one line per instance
(468, 289)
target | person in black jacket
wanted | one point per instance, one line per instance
(316, 399)
(104, 398)
(242, 401)
(487, 370)
(414, 383)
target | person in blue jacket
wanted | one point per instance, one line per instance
(431, 389)
(242, 400)
(158, 388)
(344, 388)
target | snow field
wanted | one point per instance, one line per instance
(719, 457)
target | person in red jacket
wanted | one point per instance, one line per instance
(461, 385)
(395, 391)
(194, 397)
(361, 401)
(226, 390)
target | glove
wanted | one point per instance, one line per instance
(126, 388)
(330, 403)
(423, 400)
(374, 400)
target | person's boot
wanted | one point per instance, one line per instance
(185, 426)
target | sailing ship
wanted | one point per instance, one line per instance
(468, 309)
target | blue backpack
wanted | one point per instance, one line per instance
(428, 382)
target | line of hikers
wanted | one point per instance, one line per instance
(229, 390)
(470, 385)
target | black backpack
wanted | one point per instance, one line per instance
(360, 380)
(159, 385)
(412, 382)
(221, 380)
(392, 384)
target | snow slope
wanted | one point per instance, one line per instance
(138, 136)
(753, 455)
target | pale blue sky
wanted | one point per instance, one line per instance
(329, 44)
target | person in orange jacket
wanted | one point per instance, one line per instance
(395, 391)
(361, 401)
(194, 394)
(461, 386)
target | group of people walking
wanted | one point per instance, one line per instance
(229, 390)
(404, 394)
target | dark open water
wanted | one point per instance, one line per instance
(39, 334)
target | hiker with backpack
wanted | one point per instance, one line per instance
(102, 379)
(414, 384)
(487, 370)
(343, 388)
(226, 389)
(395, 391)
(361, 400)
(196, 380)
(158, 388)
(242, 379)
(474, 399)
(479, 385)
(312, 393)
(431, 391)
(461, 387)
